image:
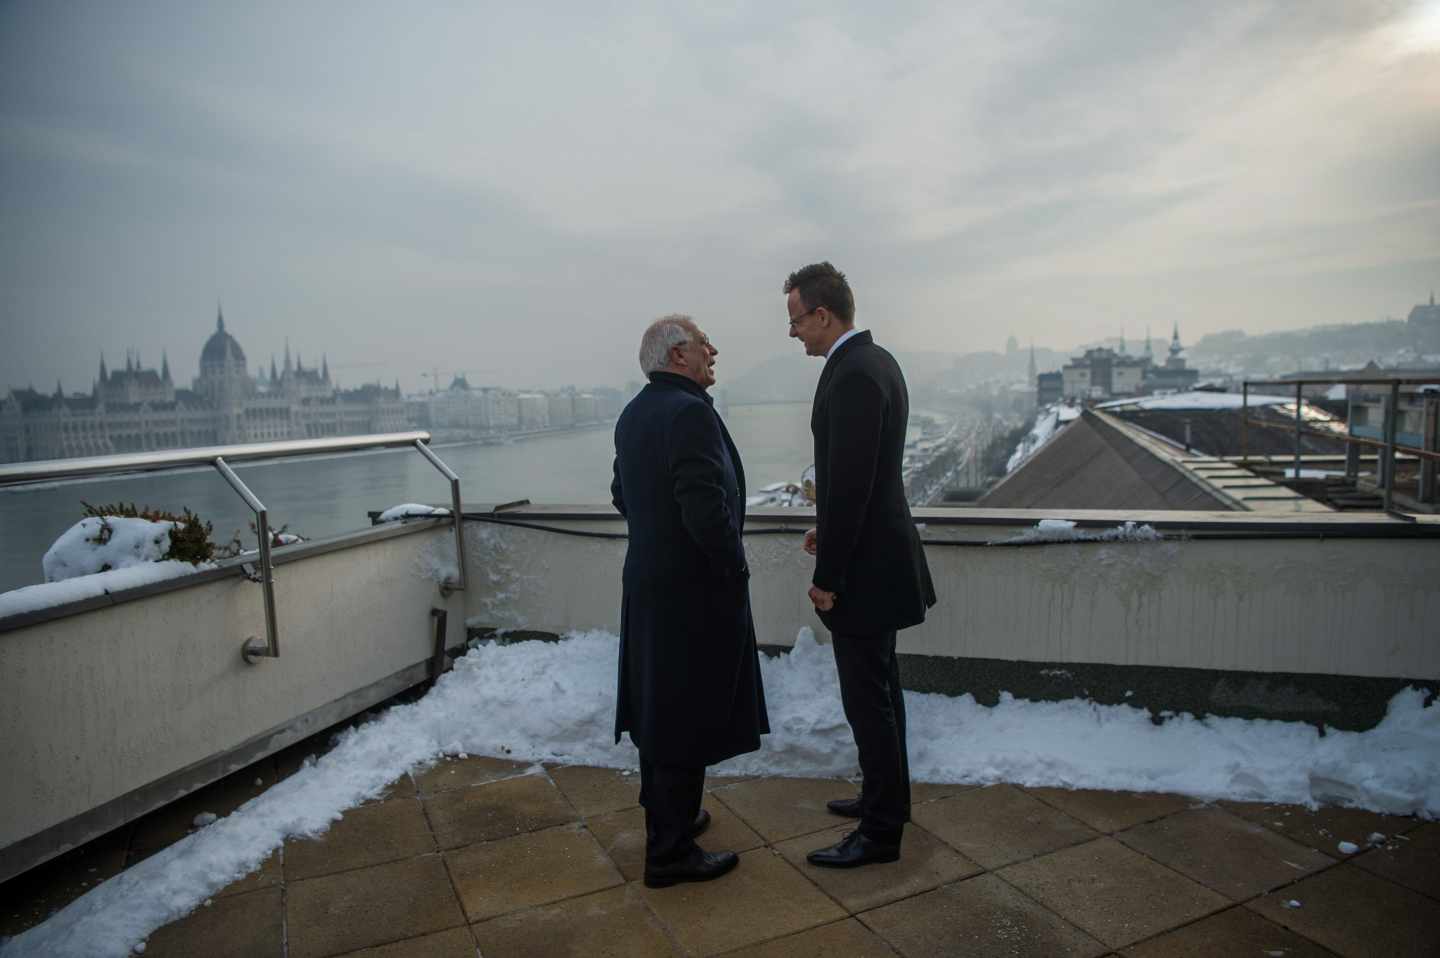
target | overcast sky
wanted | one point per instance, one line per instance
(515, 192)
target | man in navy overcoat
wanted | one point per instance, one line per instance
(690, 693)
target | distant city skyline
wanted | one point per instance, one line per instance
(517, 191)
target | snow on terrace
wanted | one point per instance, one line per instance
(554, 702)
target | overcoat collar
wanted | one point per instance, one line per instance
(862, 337)
(675, 380)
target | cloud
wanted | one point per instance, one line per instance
(519, 189)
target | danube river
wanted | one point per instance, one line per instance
(323, 496)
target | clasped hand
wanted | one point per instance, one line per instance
(822, 600)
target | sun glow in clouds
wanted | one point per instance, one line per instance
(1419, 31)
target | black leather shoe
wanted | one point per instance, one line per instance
(702, 822)
(699, 865)
(844, 807)
(853, 851)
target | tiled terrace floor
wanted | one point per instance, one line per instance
(476, 856)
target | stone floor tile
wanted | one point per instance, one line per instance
(1355, 913)
(765, 897)
(1113, 893)
(781, 808)
(1224, 852)
(358, 909)
(1238, 931)
(922, 792)
(500, 809)
(981, 917)
(1111, 811)
(28, 899)
(452, 943)
(713, 782)
(240, 926)
(610, 924)
(1322, 829)
(841, 939)
(365, 835)
(269, 873)
(1412, 860)
(925, 863)
(999, 824)
(595, 791)
(622, 835)
(451, 773)
(528, 870)
(167, 825)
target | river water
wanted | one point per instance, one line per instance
(324, 496)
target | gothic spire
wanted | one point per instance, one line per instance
(273, 377)
(104, 375)
(164, 365)
(219, 318)
(288, 367)
(324, 367)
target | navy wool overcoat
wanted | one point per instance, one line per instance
(690, 691)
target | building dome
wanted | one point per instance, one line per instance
(221, 349)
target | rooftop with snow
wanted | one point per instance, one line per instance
(488, 817)
(1160, 729)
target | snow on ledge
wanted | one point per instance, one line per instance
(1064, 530)
(32, 598)
(412, 510)
(555, 702)
(1194, 400)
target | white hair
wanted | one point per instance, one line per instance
(660, 337)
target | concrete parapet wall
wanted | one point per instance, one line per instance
(1275, 599)
(112, 706)
(98, 704)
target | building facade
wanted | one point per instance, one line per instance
(140, 410)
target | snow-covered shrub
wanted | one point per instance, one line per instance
(120, 535)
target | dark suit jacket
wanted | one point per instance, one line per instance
(689, 685)
(869, 551)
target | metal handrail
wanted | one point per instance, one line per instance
(1388, 445)
(220, 457)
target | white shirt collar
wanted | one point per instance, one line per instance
(841, 340)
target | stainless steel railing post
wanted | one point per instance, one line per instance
(455, 513)
(252, 650)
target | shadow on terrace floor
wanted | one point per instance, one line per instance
(477, 856)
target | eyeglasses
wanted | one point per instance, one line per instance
(795, 320)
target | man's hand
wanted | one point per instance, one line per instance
(822, 600)
(811, 541)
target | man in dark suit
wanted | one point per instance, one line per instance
(871, 578)
(690, 693)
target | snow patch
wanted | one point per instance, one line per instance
(32, 598)
(555, 702)
(412, 510)
(1065, 530)
(1047, 423)
(1195, 400)
(99, 544)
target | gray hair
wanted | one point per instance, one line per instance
(660, 337)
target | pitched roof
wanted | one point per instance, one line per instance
(1091, 464)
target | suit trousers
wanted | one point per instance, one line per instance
(875, 708)
(671, 795)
